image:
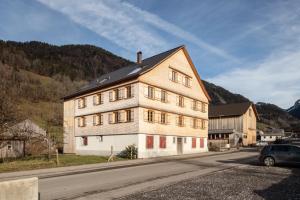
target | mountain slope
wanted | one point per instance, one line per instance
(220, 95)
(78, 62)
(274, 116)
(295, 110)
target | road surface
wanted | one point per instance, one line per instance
(118, 183)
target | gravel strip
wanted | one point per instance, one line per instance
(250, 182)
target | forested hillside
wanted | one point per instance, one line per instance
(34, 76)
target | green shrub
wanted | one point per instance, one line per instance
(130, 152)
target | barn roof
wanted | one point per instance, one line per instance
(230, 110)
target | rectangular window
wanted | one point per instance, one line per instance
(129, 93)
(201, 142)
(184, 140)
(117, 117)
(97, 119)
(119, 94)
(162, 142)
(174, 140)
(180, 101)
(196, 105)
(163, 96)
(174, 76)
(81, 102)
(115, 95)
(187, 81)
(149, 142)
(129, 115)
(163, 118)
(81, 121)
(150, 116)
(202, 124)
(151, 92)
(203, 106)
(180, 120)
(84, 140)
(194, 143)
(97, 99)
(195, 123)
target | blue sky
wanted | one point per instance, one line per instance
(248, 47)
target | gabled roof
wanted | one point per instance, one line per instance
(131, 72)
(230, 110)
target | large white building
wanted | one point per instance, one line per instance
(159, 104)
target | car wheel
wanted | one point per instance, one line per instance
(269, 161)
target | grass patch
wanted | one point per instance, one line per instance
(30, 163)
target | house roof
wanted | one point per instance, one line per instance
(24, 129)
(230, 110)
(131, 72)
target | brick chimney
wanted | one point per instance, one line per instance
(139, 57)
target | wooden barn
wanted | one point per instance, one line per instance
(231, 123)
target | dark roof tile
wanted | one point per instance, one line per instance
(126, 73)
(228, 110)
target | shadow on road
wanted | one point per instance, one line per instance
(288, 188)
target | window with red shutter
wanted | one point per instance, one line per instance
(201, 142)
(149, 142)
(193, 142)
(162, 142)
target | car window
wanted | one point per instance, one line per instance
(280, 148)
(295, 149)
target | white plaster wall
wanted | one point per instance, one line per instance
(97, 147)
(171, 148)
(187, 147)
(68, 125)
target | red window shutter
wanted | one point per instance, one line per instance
(201, 142)
(193, 142)
(149, 142)
(162, 142)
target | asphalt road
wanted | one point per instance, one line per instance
(118, 183)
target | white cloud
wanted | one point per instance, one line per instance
(127, 26)
(275, 80)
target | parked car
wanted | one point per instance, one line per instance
(280, 153)
(261, 143)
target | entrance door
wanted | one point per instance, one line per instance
(179, 145)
